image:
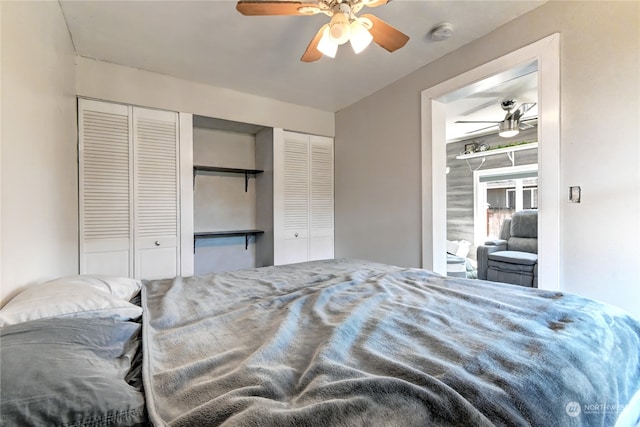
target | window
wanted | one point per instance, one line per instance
(498, 193)
(529, 197)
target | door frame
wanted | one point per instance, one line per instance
(434, 192)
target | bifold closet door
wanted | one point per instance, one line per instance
(303, 198)
(128, 190)
(105, 188)
(291, 199)
(156, 207)
(321, 222)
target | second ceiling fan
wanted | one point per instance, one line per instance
(510, 125)
(344, 26)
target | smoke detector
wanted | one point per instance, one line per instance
(441, 32)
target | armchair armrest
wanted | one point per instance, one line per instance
(496, 242)
(483, 255)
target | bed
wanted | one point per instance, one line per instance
(324, 343)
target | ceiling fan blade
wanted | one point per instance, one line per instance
(312, 53)
(385, 35)
(259, 8)
(524, 125)
(525, 107)
(481, 129)
(478, 121)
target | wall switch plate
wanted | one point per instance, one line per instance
(574, 194)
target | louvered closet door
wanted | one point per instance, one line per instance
(156, 194)
(291, 185)
(321, 198)
(105, 188)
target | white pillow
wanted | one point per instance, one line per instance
(120, 287)
(68, 298)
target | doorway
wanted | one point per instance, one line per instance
(545, 53)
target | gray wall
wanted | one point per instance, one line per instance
(264, 197)
(220, 202)
(378, 154)
(377, 178)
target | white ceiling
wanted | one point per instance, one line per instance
(212, 43)
(481, 101)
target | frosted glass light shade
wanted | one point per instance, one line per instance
(360, 37)
(327, 46)
(508, 128)
(508, 133)
(339, 28)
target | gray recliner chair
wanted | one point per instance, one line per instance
(513, 258)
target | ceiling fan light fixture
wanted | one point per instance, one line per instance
(508, 128)
(326, 45)
(339, 28)
(360, 36)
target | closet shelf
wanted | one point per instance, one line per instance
(199, 169)
(506, 150)
(229, 233)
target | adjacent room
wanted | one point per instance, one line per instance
(280, 212)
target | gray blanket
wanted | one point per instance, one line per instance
(352, 343)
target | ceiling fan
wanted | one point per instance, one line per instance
(510, 125)
(344, 25)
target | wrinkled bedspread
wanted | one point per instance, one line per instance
(354, 343)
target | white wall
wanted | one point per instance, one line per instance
(39, 155)
(103, 80)
(600, 130)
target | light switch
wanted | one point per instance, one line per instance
(574, 194)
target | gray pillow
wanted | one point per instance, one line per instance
(70, 371)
